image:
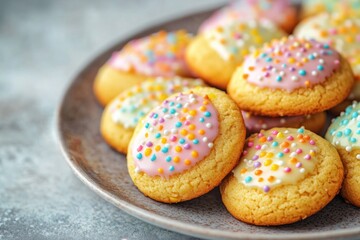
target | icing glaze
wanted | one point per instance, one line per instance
(236, 40)
(340, 31)
(256, 123)
(346, 6)
(290, 63)
(245, 10)
(344, 131)
(276, 157)
(132, 105)
(175, 135)
(160, 54)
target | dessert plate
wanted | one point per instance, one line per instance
(104, 171)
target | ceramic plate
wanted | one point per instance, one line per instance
(105, 172)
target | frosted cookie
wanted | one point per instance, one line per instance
(254, 124)
(341, 32)
(215, 54)
(291, 77)
(158, 55)
(279, 12)
(121, 116)
(284, 175)
(344, 134)
(314, 7)
(184, 147)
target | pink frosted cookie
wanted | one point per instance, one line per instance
(314, 123)
(291, 77)
(184, 147)
(280, 12)
(158, 55)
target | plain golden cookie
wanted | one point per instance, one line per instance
(121, 116)
(291, 77)
(344, 134)
(109, 82)
(186, 145)
(215, 54)
(284, 175)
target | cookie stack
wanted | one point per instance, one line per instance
(292, 77)
(182, 139)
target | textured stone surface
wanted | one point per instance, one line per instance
(42, 45)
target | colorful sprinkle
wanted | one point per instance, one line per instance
(154, 55)
(133, 104)
(236, 40)
(272, 166)
(300, 72)
(344, 130)
(181, 147)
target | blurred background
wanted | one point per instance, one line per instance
(43, 44)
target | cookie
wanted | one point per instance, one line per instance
(121, 116)
(284, 175)
(314, 7)
(214, 55)
(158, 55)
(279, 12)
(254, 124)
(291, 77)
(184, 147)
(344, 134)
(342, 32)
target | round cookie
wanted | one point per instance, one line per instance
(254, 124)
(284, 175)
(245, 10)
(342, 32)
(291, 77)
(186, 146)
(314, 7)
(214, 55)
(158, 55)
(121, 116)
(344, 134)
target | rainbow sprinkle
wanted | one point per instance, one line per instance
(160, 54)
(175, 135)
(344, 131)
(276, 157)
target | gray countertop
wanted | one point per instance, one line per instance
(43, 44)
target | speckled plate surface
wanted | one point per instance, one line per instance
(105, 172)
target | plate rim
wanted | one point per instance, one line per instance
(140, 213)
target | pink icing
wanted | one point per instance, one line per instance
(291, 63)
(175, 135)
(161, 54)
(256, 123)
(276, 11)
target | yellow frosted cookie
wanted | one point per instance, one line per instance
(215, 54)
(314, 7)
(344, 134)
(158, 55)
(342, 32)
(184, 147)
(121, 116)
(284, 175)
(254, 124)
(291, 77)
